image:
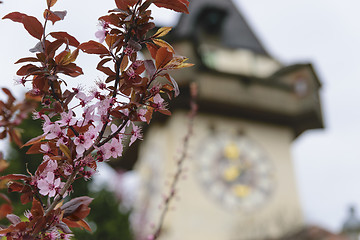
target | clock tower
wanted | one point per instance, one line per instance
(240, 181)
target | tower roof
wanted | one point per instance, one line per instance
(235, 31)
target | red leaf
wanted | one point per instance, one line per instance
(8, 93)
(77, 208)
(176, 5)
(117, 114)
(61, 57)
(27, 69)
(51, 3)
(5, 209)
(174, 83)
(34, 149)
(33, 26)
(78, 224)
(15, 187)
(36, 209)
(15, 137)
(84, 224)
(92, 47)
(163, 57)
(53, 46)
(41, 83)
(34, 140)
(105, 70)
(71, 70)
(14, 177)
(27, 59)
(15, 16)
(152, 49)
(123, 4)
(66, 37)
(165, 111)
(26, 197)
(54, 16)
(112, 19)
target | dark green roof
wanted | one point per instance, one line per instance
(235, 32)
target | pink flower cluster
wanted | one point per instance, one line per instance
(94, 109)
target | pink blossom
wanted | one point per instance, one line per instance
(141, 114)
(101, 84)
(82, 143)
(101, 33)
(67, 119)
(113, 149)
(53, 235)
(18, 81)
(37, 115)
(159, 102)
(51, 165)
(45, 148)
(84, 100)
(104, 105)
(55, 131)
(65, 236)
(62, 141)
(49, 185)
(88, 174)
(28, 215)
(136, 134)
(88, 116)
(155, 89)
(128, 51)
(92, 133)
(47, 125)
(114, 128)
(68, 169)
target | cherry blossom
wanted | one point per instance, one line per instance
(136, 134)
(113, 149)
(141, 114)
(92, 133)
(82, 143)
(37, 115)
(54, 131)
(65, 236)
(101, 33)
(53, 235)
(72, 144)
(159, 102)
(51, 164)
(67, 119)
(28, 215)
(49, 185)
(45, 148)
(47, 125)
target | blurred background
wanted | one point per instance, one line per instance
(272, 44)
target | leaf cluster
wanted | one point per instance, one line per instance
(66, 146)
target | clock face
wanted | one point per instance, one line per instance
(236, 171)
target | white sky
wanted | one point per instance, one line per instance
(324, 32)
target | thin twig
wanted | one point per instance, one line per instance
(180, 162)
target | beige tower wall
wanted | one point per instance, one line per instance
(197, 214)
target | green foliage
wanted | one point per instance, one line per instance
(109, 222)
